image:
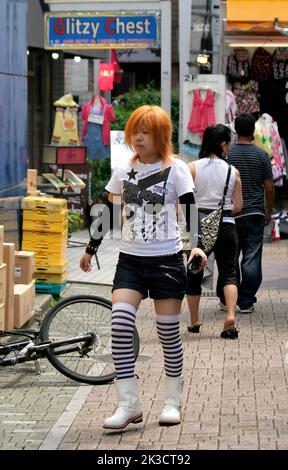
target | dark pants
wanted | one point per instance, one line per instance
(250, 231)
(225, 251)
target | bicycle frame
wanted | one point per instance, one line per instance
(74, 336)
(33, 348)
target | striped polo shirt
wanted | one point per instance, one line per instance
(254, 166)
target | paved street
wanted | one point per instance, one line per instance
(235, 392)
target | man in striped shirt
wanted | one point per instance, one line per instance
(255, 170)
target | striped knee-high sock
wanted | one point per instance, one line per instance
(123, 321)
(169, 336)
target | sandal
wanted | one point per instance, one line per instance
(230, 333)
(194, 328)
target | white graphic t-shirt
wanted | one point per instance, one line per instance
(150, 194)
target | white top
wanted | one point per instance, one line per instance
(145, 187)
(210, 179)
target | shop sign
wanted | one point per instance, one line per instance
(102, 30)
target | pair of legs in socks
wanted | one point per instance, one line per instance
(125, 304)
(225, 251)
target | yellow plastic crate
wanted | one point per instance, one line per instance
(44, 267)
(44, 203)
(51, 278)
(44, 259)
(41, 215)
(61, 239)
(44, 226)
(55, 250)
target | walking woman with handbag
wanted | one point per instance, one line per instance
(211, 174)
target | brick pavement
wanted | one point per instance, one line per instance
(235, 392)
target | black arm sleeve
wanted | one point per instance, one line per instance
(99, 227)
(190, 211)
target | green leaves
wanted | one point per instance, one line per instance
(75, 222)
(149, 94)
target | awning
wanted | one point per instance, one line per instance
(256, 16)
(257, 11)
(256, 20)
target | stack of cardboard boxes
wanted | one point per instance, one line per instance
(45, 232)
(17, 287)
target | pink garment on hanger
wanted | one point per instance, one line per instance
(207, 113)
(194, 121)
(203, 112)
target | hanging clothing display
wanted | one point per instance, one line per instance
(106, 76)
(231, 108)
(247, 96)
(280, 63)
(285, 153)
(261, 65)
(274, 102)
(97, 116)
(266, 136)
(207, 112)
(203, 112)
(116, 66)
(260, 86)
(66, 122)
(238, 66)
(194, 120)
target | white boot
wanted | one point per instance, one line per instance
(171, 413)
(128, 409)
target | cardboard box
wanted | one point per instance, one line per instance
(2, 283)
(9, 259)
(24, 267)
(31, 181)
(2, 316)
(1, 243)
(24, 302)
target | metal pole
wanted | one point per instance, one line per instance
(166, 55)
(185, 24)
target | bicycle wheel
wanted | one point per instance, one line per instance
(76, 316)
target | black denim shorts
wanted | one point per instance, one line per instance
(160, 277)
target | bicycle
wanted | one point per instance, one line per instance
(75, 338)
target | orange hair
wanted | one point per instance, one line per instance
(158, 124)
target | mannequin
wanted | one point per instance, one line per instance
(97, 116)
(66, 122)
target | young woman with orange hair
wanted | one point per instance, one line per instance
(150, 260)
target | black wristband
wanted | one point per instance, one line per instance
(93, 245)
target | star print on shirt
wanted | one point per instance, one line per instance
(132, 174)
